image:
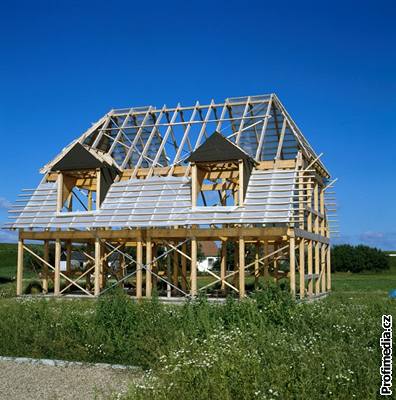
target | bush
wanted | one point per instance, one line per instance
(347, 258)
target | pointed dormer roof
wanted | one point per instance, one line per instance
(217, 148)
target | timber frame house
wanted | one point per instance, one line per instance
(147, 184)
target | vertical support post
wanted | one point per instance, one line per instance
(317, 244)
(97, 269)
(154, 268)
(175, 274)
(184, 267)
(266, 266)
(302, 267)
(193, 275)
(45, 267)
(276, 263)
(59, 193)
(292, 245)
(256, 265)
(90, 200)
(19, 288)
(309, 247)
(149, 258)
(236, 264)
(68, 255)
(139, 264)
(241, 183)
(194, 185)
(328, 268)
(323, 266)
(223, 264)
(241, 267)
(58, 252)
(98, 188)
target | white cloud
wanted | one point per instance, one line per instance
(4, 203)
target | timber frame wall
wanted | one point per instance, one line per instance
(304, 242)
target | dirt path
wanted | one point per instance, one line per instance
(45, 382)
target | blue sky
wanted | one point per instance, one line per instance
(64, 64)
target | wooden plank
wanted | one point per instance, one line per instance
(149, 259)
(97, 267)
(193, 274)
(139, 266)
(241, 267)
(19, 288)
(302, 267)
(58, 252)
(292, 251)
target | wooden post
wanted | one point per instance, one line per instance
(266, 266)
(175, 274)
(236, 265)
(241, 267)
(323, 266)
(97, 270)
(154, 280)
(317, 244)
(98, 187)
(184, 267)
(19, 288)
(276, 263)
(68, 255)
(328, 268)
(292, 244)
(241, 183)
(194, 185)
(89, 200)
(256, 265)
(58, 252)
(223, 264)
(139, 264)
(45, 267)
(149, 259)
(310, 267)
(59, 193)
(309, 246)
(302, 268)
(193, 275)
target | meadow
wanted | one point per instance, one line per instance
(265, 347)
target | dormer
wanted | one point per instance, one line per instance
(83, 178)
(219, 168)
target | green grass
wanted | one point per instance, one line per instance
(266, 347)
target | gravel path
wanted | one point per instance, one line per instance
(30, 382)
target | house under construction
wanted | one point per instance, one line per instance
(144, 185)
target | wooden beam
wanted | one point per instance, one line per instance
(19, 288)
(269, 233)
(175, 274)
(256, 265)
(45, 267)
(241, 184)
(97, 270)
(292, 251)
(149, 259)
(223, 264)
(302, 267)
(194, 185)
(58, 252)
(59, 193)
(193, 274)
(241, 267)
(184, 268)
(139, 271)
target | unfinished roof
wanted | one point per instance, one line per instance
(152, 137)
(165, 202)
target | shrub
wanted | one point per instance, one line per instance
(347, 258)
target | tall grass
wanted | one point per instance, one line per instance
(265, 347)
